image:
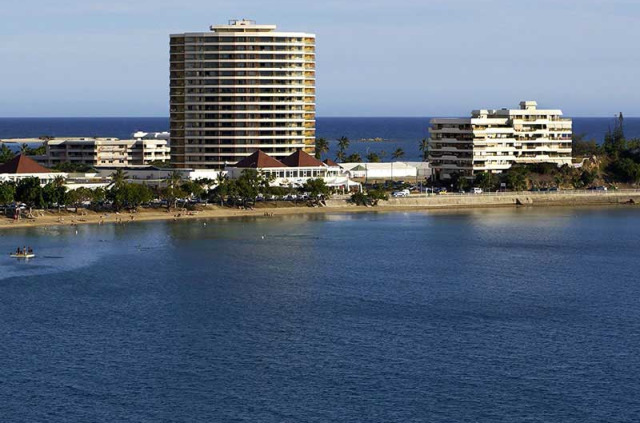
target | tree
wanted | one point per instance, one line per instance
(614, 141)
(55, 193)
(29, 191)
(98, 195)
(221, 189)
(6, 154)
(582, 148)
(424, 149)
(249, 184)
(38, 151)
(516, 178)
(192, 188)
(399, 153)
(79, 195)
(173, 191)
(459, 181)
(117, 192)
(118, 178)
(373, 157)
(487, 181)
(371, 198)
(625, 170)
(343, 143)
(322, 147)
(354, 158)
(161, 164)
(7, 192)
(376, 195)
(137, 194)
(316, 187)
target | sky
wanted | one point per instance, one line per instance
(374, 58)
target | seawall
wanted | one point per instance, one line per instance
(569, 198)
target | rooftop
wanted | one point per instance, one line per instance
(258, 160)
(23, 164)
(301, 159)
(242, 25)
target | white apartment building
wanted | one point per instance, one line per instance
(494, 140)
(240, 88)
(105, 151)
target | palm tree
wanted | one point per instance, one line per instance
(354, 158)
(118, 178)
(173, 187)
(58, 181)
(341, 156)
(221, 186)
(373, 157)
(424, 149)
(322, 146)
(398, 153)
(343, 143)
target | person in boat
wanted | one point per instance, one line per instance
(18, 250)
(30, 250)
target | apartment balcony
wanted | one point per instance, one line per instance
(449, 130)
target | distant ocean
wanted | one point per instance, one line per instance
(396, 132)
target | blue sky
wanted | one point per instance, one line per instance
(375, 58)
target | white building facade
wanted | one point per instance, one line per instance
(105, 151)
(240, 88)
(494, 140)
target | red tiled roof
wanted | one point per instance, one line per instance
(330, 162)
(22, 164)
(301, 159)
(258, 160)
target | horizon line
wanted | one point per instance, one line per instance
(317, 117)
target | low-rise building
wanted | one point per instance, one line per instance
(106, 151)
(387, 170)
(293, 170)
(156, 176)
(494, 140)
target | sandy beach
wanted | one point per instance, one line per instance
(87, 217)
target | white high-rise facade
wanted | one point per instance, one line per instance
(494, 140)
(240, 88)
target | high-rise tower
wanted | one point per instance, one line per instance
(239, 88)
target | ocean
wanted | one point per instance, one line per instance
(404, 133)
(505, 315)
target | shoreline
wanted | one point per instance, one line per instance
(415, 204)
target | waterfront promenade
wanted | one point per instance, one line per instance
(340, 204)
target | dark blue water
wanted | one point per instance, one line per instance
(490, 316)
(404, 133)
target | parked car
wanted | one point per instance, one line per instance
(402, 193)
(476, 190)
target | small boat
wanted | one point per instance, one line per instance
(22, 255)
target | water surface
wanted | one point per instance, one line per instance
(488, 315)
